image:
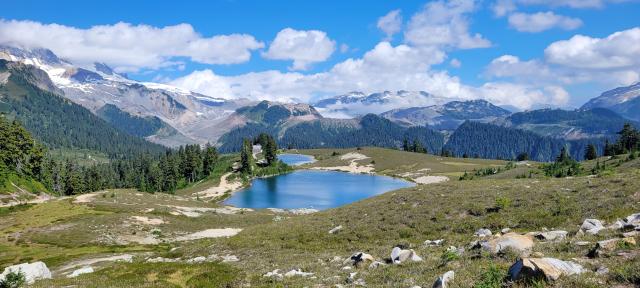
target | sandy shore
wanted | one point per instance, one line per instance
(353, 166)
(221, 189)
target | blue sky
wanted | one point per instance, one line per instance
(354, 24)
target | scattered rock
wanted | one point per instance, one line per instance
(482, 233)
(505, 230)
(431, 243)
(519, 243)
(32, 271)
(582, 243)
(557, 235)
(303, 211)
(162, 260)
(357, 258)
(78, 272)
(376, 264)
(634, 233)
(147, 220)
(619, 224)
(399, 255)
(210, 233)
(602, 270)
(456, 250)
(591, 226)
(633, 219)
(273, 274)
(610, 245)
(444, 280)
(297, 272)
(230, 258)
(198, 259)
(548, 268)
(335, 229)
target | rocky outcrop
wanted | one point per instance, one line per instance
(550, 269)
(522, 244)
(610, 245)
(556, 235)
(32, 271)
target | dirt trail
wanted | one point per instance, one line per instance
(223, 187)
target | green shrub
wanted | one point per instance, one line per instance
(13, 280)
(492, 278)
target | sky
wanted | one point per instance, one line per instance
(518, 53)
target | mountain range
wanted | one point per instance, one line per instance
(173, 116)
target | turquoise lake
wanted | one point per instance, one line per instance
(296, 159)
(313, 189)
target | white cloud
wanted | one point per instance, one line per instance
(503, 7)
(541, 21)
(303, 47)
(570, 3)
(618, 50)
(130, 47)
(390, 24)
(444, 24)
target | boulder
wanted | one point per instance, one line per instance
(431, 243)
(399, 255)
(516, 242)
(610, 245)
(557, 235)
(619, 224)
(482, 233)
(357, 258)
(548, 268)
(78, 272)
(273, 274)
(456, 250)
(444, 280)
(591, 226)
(32, 271)
(335, 229)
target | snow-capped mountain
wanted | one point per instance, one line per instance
(193, 115)
(357, 103)
(447, 116)
(623, 100)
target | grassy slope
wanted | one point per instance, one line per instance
(451, 210)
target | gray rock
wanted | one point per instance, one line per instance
(557, 235)
(444, 280)
(591, 226)
(482, 233)
(32, 271)
(78, 272)
(335, 229)
(430, 243)
(521, 244)
(549, 268)
(376, 264)
(297, 272)
(399, 255)
(357, 258)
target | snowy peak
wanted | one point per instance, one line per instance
(447, 116)
(622, 100)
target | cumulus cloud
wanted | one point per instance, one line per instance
(303, 47)
(612, 61)
(130, 47)
(503, 7)
(444, 24)
(541, 21)
(618, 50)
(391, 23)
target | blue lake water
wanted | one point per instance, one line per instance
(313, 189)
(296, 159)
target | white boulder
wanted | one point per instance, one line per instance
(591, 226)
(549, 268)
(444, 280)
(482, 233)
(399, 255)
(78, 272)
(32, 271)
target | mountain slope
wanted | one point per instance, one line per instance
(58, 122)
(448, 116)
(622, 100)
(569, 125)
(300, 126)
(193, 115)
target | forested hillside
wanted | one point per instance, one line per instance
(370, 130)
(58, 122)
(489, 141)
(131, 124)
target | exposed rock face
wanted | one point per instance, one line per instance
(610, 245)
(399, 255)
(591, 226)
(444, 280)
(516, 242)
(548, 268)
(32, 271)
